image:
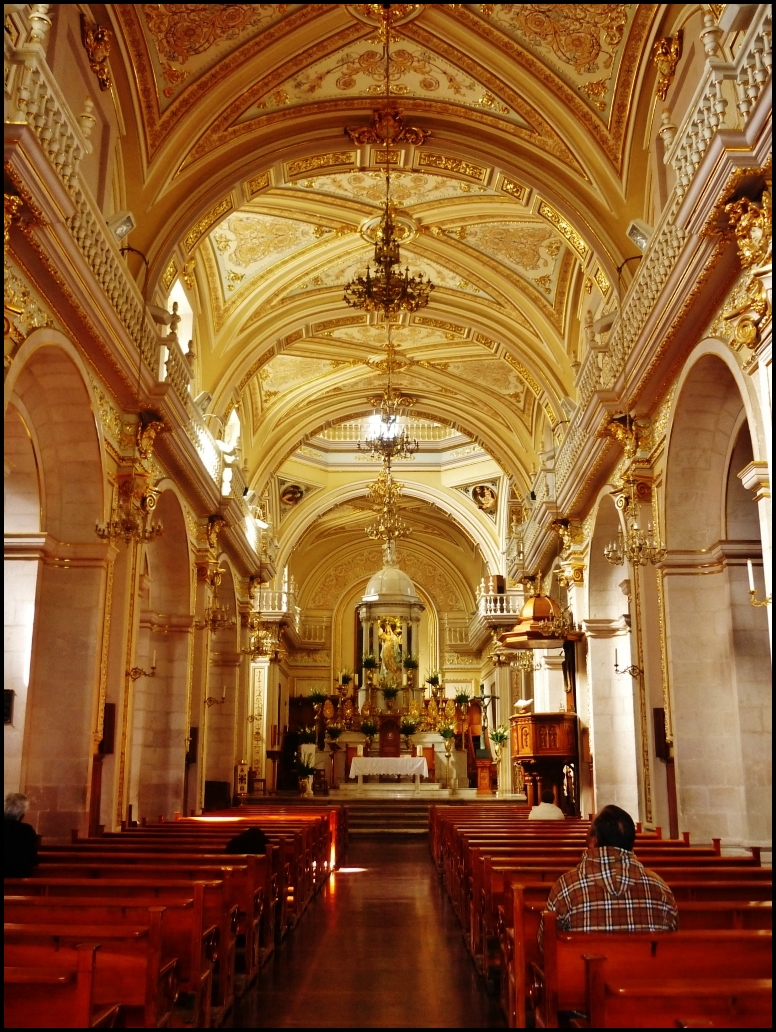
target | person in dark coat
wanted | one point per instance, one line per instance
(21, 842)
(251, 841)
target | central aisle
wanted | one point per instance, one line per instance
(379, 948)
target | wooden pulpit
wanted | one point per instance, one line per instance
(545, 746)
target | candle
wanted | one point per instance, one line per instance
(153, 661)
(615, 659)
(750, 571)
(355, 678)
(223, 693)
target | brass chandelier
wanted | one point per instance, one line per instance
(635, 546)
(264, 641)
(390, 440)
(384, 493)
(387, 288)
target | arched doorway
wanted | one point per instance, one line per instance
(718, 651)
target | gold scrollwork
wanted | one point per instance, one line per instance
(665, 56)
(450, 164)
(387, 128)
(96, 40)
(565, 229)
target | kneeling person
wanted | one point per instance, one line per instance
(610, 890)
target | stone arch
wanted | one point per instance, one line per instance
(718, 650)
(609, 706)
(57, 572)
(160, 704)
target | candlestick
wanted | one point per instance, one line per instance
(750, 571)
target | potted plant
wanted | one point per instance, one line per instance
(390, 691)
(305, 772)
(346, 677)
(318, 695)
(370, 663)
(369, 730)
(333, 731)
(463, 699)
(408, 727)
(498, 736)
(410, 664)
(433, 679)
(307, 735)
(447, 730)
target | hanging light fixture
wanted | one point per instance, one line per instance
(390, 440)
(387, 289)
(264, 642)
(543, 622)
(384, 493)
(216, 616)
(634, 546)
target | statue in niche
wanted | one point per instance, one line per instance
(390, 650)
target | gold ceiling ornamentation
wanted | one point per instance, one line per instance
(258, 183)
(303, 166)
(168, 277)
(665, 56)
(387, 128)
(516, 190)
(206, 223)
(565, 229)
(450, 164)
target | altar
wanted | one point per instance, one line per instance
(413, 766)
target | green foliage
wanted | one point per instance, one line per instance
(369, 728)
(408, 726)
(390, 691)
(334, 731)
(463, 698)
(307, 735)
(446, 729)
(410, 662)
(433, 679)
(346, 677)
(303, 769)
(318, 695)
(499, 734)
(370, 662)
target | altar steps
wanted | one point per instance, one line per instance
(387, 817)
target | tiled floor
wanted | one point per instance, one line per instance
(378, 948)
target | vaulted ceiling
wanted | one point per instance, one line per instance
(516, 205)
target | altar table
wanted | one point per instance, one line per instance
(415, 766)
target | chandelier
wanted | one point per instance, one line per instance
(134, 497)
(264, 641)
(216, 616)
(635, 546)
(384, 493)
(387, 288)
(390, 440)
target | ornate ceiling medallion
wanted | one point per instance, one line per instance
(405, 228)
(383, 16)
(387, 127)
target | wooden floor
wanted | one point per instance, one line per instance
(379, 948)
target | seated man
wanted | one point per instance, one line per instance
(547, 810)
(21, 842)
(253, 840)
(610, 891)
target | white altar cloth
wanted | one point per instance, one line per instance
(415, 766)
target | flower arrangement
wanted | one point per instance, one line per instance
(463, 698)
(408, 726)
(318, 695)
(410, 662)
(307, 735)
(369, 728)
(346, 677)
(369, 662)
(390, 691)
(446, 729)
(304, 769)
(499, 734)
(433, 679)
(334, 731)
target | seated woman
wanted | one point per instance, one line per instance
(253, 840)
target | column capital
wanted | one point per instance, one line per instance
(599, 628)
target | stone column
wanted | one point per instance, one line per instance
(64, 683)
(549, 693)
(613, 730)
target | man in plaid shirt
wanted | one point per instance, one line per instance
(610, 891)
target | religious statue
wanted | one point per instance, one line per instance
(390, 652)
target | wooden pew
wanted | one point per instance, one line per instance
(559, 983)
(129, 968)
(664, 1003)
(39, 997)
(524, 904)
(183, 934)
(217, 908)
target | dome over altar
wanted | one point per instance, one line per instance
(390, 584)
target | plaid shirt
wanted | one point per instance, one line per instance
(611, 891)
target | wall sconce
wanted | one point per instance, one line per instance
(137, 672)
(634, 671)
(210, 701)
(753, 599)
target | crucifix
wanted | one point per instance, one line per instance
(485, 701)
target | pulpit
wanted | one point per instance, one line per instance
(545, 746)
